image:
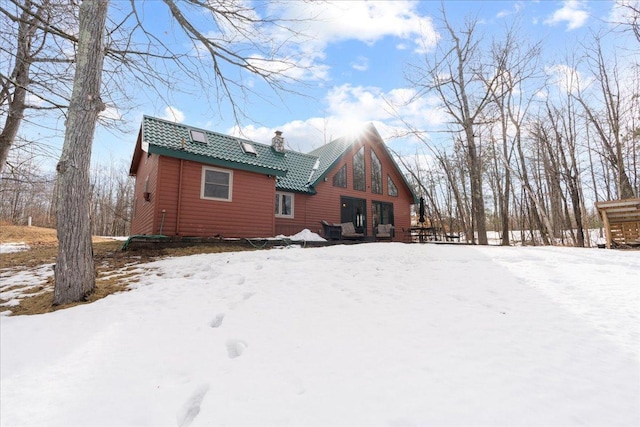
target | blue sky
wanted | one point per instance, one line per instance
(356, 55)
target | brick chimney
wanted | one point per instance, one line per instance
(277, 142)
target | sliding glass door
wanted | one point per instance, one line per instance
(355, 211)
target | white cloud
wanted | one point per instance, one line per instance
(360, 64)
(111, 113)
(319, 24)
(305, 29)
(572, 12)
(33, 100)
(299, 67)
(517, 7)
(352, 107)
(568, 79)
(622, 11)
(173, 114)
(330, 22)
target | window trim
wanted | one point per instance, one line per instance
(364, 169)
(195, 132)
(390, 180)
(340, 171)
(248, 148)
(202, 184)
(380, 174)
(376, 207)
(293, 200)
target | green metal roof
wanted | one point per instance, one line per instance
(329, 154)
(299, 168)
(174, 140)
(294, 171)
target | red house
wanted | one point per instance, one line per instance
(193, 182)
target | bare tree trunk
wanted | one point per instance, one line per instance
(609, 127)
(537, 211)
(570, 167)
(467, 223)
(19, 80)
(454, 77)
(477, 197)
(75, 272)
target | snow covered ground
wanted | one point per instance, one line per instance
(380, 334)
(6, 248)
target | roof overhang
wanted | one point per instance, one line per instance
(371, 128)
(618, 211)
(137, 154)
(622, 218)
(185, 155)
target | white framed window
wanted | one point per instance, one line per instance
(284, 205)
(217, 184)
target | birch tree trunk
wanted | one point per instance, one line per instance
(75, 272)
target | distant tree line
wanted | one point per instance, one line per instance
(527, 148)
(29, 191)
(74, 61)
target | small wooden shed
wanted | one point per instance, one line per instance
(621, 220)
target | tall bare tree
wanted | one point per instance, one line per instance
(75, 270)
(38, 66)
(630, 16)
(237, 45)
(608, 121)
(457, 74)
(13, 90)
(512, 93)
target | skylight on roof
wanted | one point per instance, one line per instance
(248, 148)
(197, 136)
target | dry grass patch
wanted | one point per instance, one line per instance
(115, 269)
(33, 236)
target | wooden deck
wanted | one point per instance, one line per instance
(160, 242)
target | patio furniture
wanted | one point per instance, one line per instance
(349, 231)
(331, 232)
(383, 232)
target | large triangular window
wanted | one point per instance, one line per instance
(340, 178)
(376, 174)
(359, 182)
(392, 190)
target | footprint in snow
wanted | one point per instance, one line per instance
(235, 348)
(191, 407)
(217, 321)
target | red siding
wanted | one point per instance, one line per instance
(181, 212)
(176, 209)
(325, 205)
(143, 211)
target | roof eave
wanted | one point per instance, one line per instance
(137, 154)
(308, 190)
(372, 128)
(185, 155)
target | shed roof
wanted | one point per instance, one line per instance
(621, 221)
(618, 211)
